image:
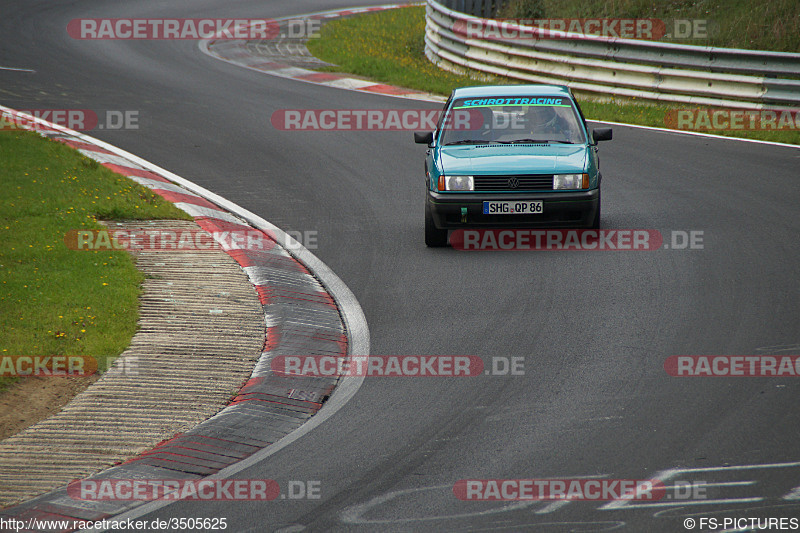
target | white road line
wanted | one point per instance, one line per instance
(705, 484)
(678, 503)
(666, 474)
(696, 133)
(17, 69)
(552, 507)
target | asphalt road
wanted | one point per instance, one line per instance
(594, 329)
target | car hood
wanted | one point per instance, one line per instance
(513, 159)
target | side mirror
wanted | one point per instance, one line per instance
(423, 137)
(603, 134)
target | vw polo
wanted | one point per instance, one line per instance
(511, 156)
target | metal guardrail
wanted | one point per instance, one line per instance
(648, 70)
(478, 8)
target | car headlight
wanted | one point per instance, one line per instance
(571, 181)
(456, 183)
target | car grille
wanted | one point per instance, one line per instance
(524, 182)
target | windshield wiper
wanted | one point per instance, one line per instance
(465, 141)
(537, 141)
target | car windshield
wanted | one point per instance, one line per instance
(512, 120)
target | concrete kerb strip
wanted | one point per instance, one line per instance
(323, 319)
(238, 53)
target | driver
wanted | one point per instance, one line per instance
(544, 120)
(540, 118)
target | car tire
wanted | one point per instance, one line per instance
(596, 221)
(434, 237)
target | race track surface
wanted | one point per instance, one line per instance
(594, 328)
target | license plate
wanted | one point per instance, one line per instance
(531, 207)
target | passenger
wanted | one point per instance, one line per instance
(486, 127)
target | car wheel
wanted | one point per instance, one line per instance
(434, 237)
(596, 221)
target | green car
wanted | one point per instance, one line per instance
(511, 156)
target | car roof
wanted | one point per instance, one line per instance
(512, 90)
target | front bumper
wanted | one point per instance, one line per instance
(567, 209)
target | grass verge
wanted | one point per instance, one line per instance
(755, 25)
(388, 46)
(53, 300)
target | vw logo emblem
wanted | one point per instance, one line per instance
(513, 183)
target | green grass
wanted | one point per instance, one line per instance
(388, 46)
(757, 25)
(53, 300)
